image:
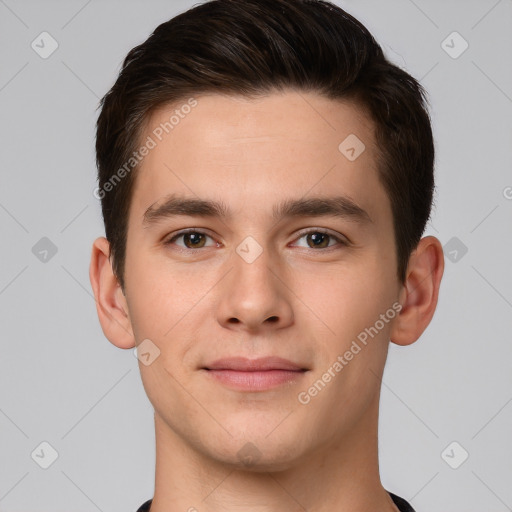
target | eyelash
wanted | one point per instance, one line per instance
(340, 241)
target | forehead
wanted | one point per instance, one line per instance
(217, 121)
(250, 153)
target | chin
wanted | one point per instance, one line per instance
(258, 451)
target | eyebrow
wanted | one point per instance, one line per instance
(338, 206)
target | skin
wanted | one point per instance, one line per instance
(296, 301)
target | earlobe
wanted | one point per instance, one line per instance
(420, 291)
(111, 304)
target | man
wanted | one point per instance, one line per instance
(266, 176)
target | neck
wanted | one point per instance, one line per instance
(341, 476)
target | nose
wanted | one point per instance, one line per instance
(255, 295)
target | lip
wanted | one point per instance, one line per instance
(254, 374)
(243, 364)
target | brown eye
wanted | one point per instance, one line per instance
(194, 240)
(191, 240)
(318, 239)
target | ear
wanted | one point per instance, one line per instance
(420, 291)
(111, 303)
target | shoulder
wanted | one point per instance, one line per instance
(402, 505)
(145, 507)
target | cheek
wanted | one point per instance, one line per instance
(349, 299)
(160, 295)
(166, 306)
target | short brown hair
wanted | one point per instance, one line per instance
(254, 47)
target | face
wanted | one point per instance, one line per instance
(296, 261)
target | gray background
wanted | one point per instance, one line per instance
(62, 382)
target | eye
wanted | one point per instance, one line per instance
(192, 239)
(315, 239)
(318, 238)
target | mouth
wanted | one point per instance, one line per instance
(254, 374)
